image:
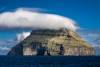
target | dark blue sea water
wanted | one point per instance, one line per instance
(50, 61)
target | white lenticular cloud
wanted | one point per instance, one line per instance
(30, 19)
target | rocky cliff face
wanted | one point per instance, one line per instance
(53, 42)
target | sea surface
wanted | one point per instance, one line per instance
(49, 61)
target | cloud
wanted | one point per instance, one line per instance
(6, 45)
(22, 36)
(92, 37)
(26, 18)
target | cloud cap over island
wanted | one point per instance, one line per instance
(22, 18)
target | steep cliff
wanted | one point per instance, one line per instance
(53, 42)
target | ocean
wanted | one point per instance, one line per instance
(49, 61)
